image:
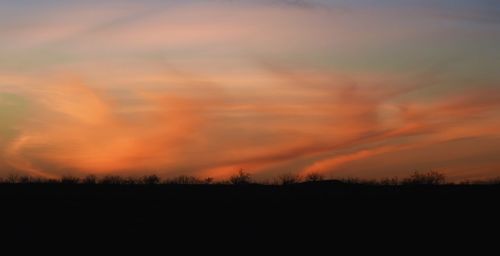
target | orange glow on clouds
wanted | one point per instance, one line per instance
(76, 128)
(206, 88)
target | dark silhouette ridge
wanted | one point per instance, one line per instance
(121, 212)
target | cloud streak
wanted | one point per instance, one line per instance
(80, 129)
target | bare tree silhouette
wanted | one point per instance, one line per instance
(241, 178)
(289, 179)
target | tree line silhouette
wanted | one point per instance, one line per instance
(243, 177)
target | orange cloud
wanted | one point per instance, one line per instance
(333, 163)
(199, 87)
(80, 129)
(202, 126)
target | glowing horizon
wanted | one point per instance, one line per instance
(347, 88)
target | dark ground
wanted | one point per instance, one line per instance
(248, 216)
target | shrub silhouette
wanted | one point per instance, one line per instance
(150, 180)
(314, 177)
(494, 181)
(289, 179)
(112, 180)
(390, 181)
(429, 178)
(69, 180)
(12, 178)
(89, 179)
(133, 181)
(185, 180)
(24, 179)
(241, 178)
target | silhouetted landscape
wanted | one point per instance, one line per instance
(226, 126)
(113, 210)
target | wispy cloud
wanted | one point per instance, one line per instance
(208, 87)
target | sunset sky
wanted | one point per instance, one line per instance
(348, 88)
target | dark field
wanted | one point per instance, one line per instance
(325, 213)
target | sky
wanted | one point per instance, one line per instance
(357, 88)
